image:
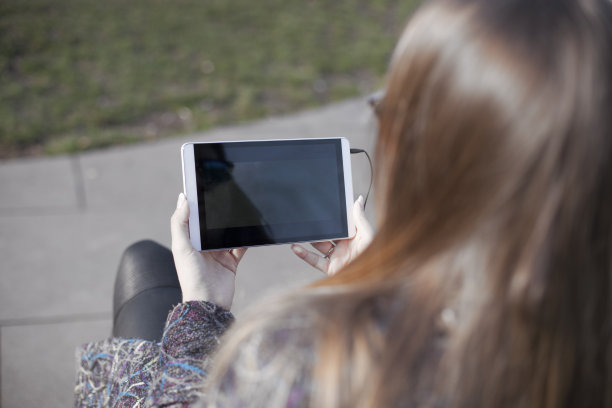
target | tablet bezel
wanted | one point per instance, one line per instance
(191, 191)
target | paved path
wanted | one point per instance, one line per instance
(64, 222)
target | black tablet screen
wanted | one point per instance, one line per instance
(257, 193)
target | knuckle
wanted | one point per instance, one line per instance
(311, 258)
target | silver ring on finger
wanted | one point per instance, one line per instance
(330, 252)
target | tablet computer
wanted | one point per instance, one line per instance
(253, 193)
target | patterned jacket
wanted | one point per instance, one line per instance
(137, 373)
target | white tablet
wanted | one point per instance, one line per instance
(253, 193)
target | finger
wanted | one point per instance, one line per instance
(179, 225)
(238, 253)
(323, 247)
(224, 258)
(361, 222)
(311, 258)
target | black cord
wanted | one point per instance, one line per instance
(355, 151)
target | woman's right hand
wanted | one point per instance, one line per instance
(344, 250)
(209, 275)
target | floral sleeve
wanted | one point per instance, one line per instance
(190, 339)
(136, 373)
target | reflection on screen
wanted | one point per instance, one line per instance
(270, 191)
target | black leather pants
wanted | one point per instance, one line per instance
(146, 289)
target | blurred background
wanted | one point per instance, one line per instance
(81, 74)
(82, 81)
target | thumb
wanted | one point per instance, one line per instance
(361, 222)
(179, 225)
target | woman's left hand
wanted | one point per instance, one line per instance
(209, 275)
(333, 256)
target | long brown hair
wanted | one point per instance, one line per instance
(488, 283)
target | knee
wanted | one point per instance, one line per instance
(144, 265)
(141, 259)
(141, 250)
(148, 263)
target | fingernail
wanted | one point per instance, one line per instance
(298, 250)
(180, 201)
(361, 200)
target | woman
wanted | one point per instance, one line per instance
(488, 282)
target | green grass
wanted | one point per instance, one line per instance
(81, 74)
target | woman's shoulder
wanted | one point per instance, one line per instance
(273, 330)
(296, 319)
(268, 356)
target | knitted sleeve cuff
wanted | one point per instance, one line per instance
(193, 329)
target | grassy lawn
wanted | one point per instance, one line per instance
(81, 74)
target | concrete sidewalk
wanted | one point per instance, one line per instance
(64, 222)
